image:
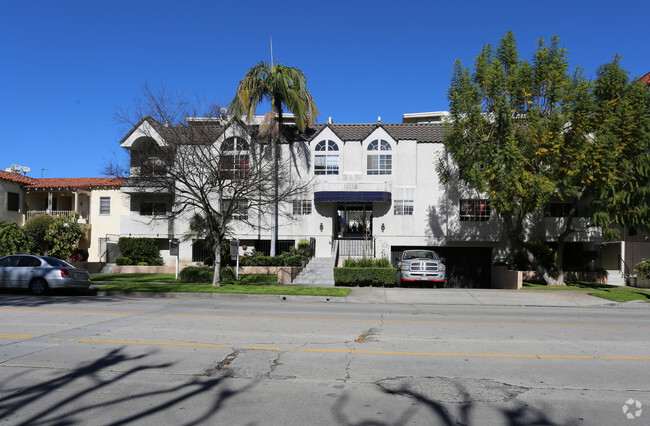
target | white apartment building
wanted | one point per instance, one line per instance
(375, 192)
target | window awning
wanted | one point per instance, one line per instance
(354, 196)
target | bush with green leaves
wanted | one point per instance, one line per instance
(123, 261)
(63, 235)
(13, 239)
(292, 257)
(197, 274)
(227, 274)
(140, 250)
(78, 255)
(375, 277)
(36, 230)
(643, 268)
(366, 262)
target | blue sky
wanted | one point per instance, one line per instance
(68, 66)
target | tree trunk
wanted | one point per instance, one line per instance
(276, 162)
(514, 236)
(216, 281)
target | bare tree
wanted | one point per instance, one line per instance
(204, 162)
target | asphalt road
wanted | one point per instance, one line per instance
(113, 360)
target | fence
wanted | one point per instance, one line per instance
(364, 248)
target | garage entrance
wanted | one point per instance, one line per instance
(467, 267)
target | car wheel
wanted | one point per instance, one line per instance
(38, 286)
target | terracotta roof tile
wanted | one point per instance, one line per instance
(645, 79)
(75, 183)
(15, 177)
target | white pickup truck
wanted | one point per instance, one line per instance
(421, 266)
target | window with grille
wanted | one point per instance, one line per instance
(301, 207)
(380, 161)
(235, 159)
(104, 205)
(403, 207)
(326, 162)
(474, 210)
(237, 208)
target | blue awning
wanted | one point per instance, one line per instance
(353, 196)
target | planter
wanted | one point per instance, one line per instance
(640, 282)
(286, 274)
(592, 276)
(504, 278)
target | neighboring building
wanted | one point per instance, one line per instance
(12, 196)
(98, 201)
(376, 192)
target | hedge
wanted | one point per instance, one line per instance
(140, 250)
(375, 277)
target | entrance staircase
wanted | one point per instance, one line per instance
(319, 272)
(614, 277)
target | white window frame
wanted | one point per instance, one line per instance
(302, 207)
(474, 210)
(236, 149)
(403, 207)
(379, 158)
(104, 209)
(326, 163)
(241, 212)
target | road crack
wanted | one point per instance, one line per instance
(220, 365)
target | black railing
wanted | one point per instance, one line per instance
(623, 268)
(357, 247)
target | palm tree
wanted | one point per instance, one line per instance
(286, 89)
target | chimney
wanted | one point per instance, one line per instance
(329, 120)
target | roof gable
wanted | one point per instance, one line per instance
(15, 177)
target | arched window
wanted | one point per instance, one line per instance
(380, 160)
(326, 161)
(235, 158)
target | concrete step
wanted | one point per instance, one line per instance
(614, 277)
(319, 271)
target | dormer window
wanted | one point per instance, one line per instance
(326, 162)
(380, 159)
(235, 158)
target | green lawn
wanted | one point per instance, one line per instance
(228, 288)
(604, 291)
(248, 284)
(246, 279)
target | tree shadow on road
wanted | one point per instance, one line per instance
(450, 414)
(64, 400)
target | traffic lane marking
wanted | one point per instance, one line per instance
(353, 351)
(327, 319)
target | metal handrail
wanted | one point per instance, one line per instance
(623, 268)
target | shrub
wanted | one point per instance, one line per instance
(36, 230)
(143, 264)
(140, 250)
(304, 248)
(376, 277)
(227, 274)
(123, 261)
(78, 255)
(13, 239)
(366, 262)
(643, 268)
(197, 274)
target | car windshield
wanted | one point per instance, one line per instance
(58, 263)
(420, 254)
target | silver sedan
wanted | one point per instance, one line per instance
(40, 273)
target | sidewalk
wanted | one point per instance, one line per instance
(462, 296)
(412, 296)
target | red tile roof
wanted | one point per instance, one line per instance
(74, 183)
(645, 79)
(15, 177)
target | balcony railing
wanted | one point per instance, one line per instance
(83, 218)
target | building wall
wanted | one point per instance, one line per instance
(5, 214)
(103, 225)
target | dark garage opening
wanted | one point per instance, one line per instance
(467, 267)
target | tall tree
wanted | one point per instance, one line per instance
(623, 117)
(527, 132)
(199, 163)
(285, 88)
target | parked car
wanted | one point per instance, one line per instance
(422, 266)
(40, 273)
